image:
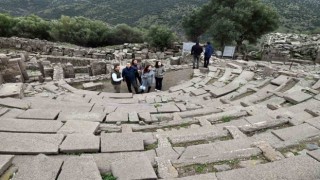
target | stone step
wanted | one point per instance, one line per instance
(223, 151)
(79, 168)
(134, 167)
(15, 103)
(122, 142)
(81, 116)
(80, 143)
(79, 127)
(43, 114)
(39, 167)
(296, 133)
(305, 168)
(104, 160)
(29, 126)
(5, 163)
(208, 176)
(21, 143)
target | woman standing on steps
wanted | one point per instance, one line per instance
(159, 73)
(147, 78)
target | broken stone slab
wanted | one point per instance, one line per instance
(117, 117)
(21, 143)
(315, 122)
(43, 114)
(316, 85)
(116, 95)
(79, 168)
(15, 103)
(14, 90)
(218, 92)
(263, 125)
(305, 168)
(181, 86)
(133, 117)
(208, 176)
(198, 92)
(268, 151)
(297, 97)
(165, 168)
(226, 76)
(5, 163)
(146, 117)
(81, 116)
(29, 126)
(104, 160)
(296, 133)
(80, 143)
(4, 111)
(79, 127)
(135, 167)
(315, 154)
(204, 122)
(223, 151)
(92, 86)
(280, 80)
(124, 142)
(51, 88)
(233, 114)
(168, 108)
(40, 167)
(194, 134)
(235, 132)
(167, 153)
(199, 112)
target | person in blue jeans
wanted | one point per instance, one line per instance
(207, 54)
(129, 75)
(159, 73)
(196, 51)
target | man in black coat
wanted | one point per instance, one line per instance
(196, 52)
(129, 75)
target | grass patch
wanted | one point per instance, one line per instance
(226, 119)
(157, 105)
(151, 146)
(108, 177)
(200, 168)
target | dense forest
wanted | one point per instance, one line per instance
(296, 15)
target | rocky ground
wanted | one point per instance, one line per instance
(236, 120)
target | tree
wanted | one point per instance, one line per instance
(80, 31)
(123, 33)
(31, 27)
(6, 25)
(160, 37)
(232, 21)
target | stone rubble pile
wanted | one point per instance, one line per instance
(283, 47)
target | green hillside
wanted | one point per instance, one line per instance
(297, 15)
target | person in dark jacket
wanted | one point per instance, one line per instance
(138, 68)
(129, 75)
(116, 78)
(207, 54)
(196, 51)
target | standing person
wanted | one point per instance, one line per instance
(147, 77)
(138, 68)
(116, 78)
(196, 51)
(129, 75)
(159, 73)
(207, 54)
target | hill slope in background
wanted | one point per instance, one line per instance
(296, 15)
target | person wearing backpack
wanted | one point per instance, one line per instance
(116, 78)
(159, 73)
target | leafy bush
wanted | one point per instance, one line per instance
(123, 33)
(160, 37)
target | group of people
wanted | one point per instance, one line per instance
(197, 50)
(134, 73)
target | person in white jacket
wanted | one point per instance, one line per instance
(116, 78)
